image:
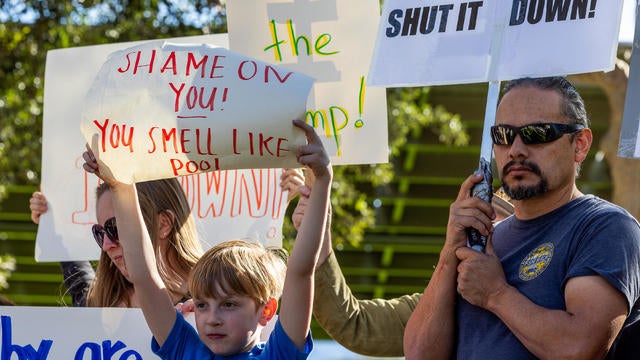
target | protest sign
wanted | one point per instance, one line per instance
(160, 110)
(74, 333)
(226, 204)
(54, 333)
(332, 41)
(437, 42)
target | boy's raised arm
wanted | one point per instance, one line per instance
(297, 294)
(139, 255)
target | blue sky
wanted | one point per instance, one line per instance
(627, 25)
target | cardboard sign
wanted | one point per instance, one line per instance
(226, 204)
(160, 110)
(332, 41)
(437, 42)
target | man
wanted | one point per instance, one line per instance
(560, 277)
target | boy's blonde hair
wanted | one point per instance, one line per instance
(240, 268)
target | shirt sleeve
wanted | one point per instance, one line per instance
(280, 346)
(618, 264)
(181, 343)
(368, 327)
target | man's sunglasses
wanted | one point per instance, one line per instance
(532, 134)
(109, 229)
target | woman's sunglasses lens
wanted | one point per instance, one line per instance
(111, 229)
(98, 234)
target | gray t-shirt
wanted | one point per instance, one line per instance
(587, 236)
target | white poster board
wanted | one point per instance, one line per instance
(436, 42)
(332, 41)
(245, 203)
(56, 333)
(30, 333)
(160, 110)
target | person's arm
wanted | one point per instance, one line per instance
(297, 294)
(431, 329)
(595, 310)
(368, 327)
(151, 292)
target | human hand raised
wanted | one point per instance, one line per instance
(467, 212)
(91, 166)
(185, 307)
(292, 180)
(38, 206)
(313, 155)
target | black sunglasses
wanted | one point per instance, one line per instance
(109, 229)
(532, 134)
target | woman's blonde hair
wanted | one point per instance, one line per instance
(175, 260)
(240, 268)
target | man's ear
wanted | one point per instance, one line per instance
(165, 222)
(269, 311)
(583, 141)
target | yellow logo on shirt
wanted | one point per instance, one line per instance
(536, 262)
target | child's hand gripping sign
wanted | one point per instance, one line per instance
(162, 110)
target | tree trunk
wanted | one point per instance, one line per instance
(625, 173)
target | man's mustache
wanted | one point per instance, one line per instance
(524, 163)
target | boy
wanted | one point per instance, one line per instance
(233, 302)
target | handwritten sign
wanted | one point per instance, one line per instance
(226, 204)
(74, 333)
(41, 333)
(160, 110)
(436, 42)
(331, 41)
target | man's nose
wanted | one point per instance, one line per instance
(518, 148)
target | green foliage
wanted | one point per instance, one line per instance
(7, 266)
(409, 115)
(29, 29)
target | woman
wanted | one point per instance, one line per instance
(169, 221)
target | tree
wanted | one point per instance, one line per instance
(29, 29)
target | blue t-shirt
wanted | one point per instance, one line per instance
(587, 236)
(183, 343)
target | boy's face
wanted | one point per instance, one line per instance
(229, 324)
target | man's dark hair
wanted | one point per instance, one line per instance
(573, 103)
